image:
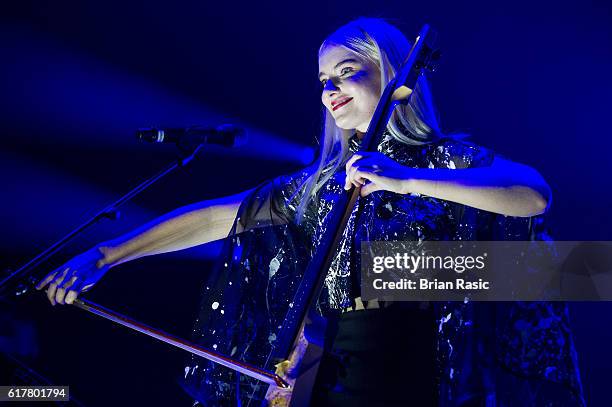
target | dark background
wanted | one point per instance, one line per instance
(528, 79)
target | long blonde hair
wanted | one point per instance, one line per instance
(416, 123)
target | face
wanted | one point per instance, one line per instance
(351, 87)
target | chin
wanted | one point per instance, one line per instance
(346, 124)
(352, 122)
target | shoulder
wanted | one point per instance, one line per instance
(455, 152)
(292, 181)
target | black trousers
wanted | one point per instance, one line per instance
(380, 357)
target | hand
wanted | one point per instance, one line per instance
(279, 397)
(287, 370)
(78, 275)
(380, 172)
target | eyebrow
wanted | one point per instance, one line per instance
(344, 61)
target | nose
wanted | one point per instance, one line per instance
(330, 89)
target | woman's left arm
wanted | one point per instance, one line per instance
(505, 187)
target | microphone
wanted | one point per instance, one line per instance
(226, 135)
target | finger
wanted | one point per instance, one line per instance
(347, 183)
(277, 396)
(364, 175)
(278, 399)
(353, 172)
(68, 282)
(369, 188)
(347, 179)
(71, 296)
(87, 288)
(351, 179)
(54, 286)
(51, 293)
(75, 290)
(358, 181)
(60, 278)
(366, 159)
(351, 160)
(60, 294)
(42, 283)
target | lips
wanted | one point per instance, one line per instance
(337, 104)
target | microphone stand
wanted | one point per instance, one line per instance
(109, 212)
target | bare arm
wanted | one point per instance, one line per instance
(506, 187)
(182, 228)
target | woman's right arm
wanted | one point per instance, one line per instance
(180, 229)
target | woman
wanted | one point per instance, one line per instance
(419, 185)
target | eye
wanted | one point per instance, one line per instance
(346, 70)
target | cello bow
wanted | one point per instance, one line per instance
(241, 367)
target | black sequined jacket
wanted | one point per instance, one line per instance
(493, 354)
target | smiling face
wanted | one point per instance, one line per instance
(351, 87)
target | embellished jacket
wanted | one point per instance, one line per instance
(488, 353)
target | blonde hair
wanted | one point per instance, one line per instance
(415, 123)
